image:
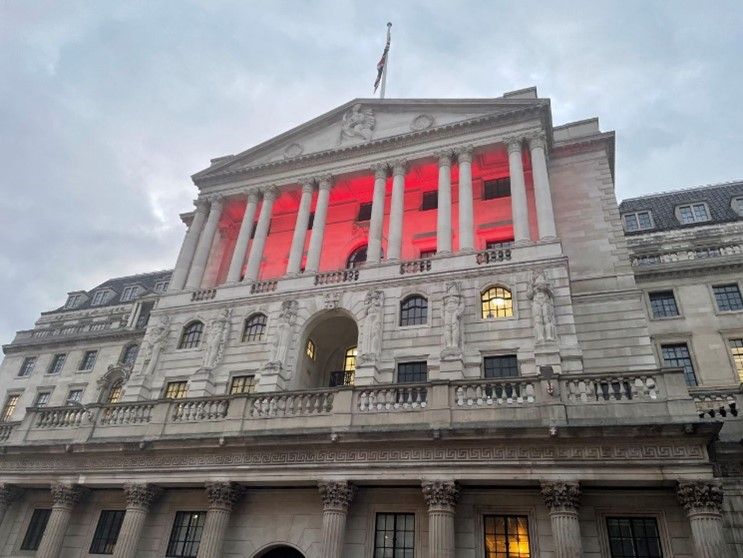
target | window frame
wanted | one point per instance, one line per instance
(106, 536)
(125, 353)
(361, 214)
(353, 264)
(249, 382)
(88, 355)
(169, 541)
(47, 512)
(96, 301)
(736, 204)
(310, 350)
(38, 398)
(70, 391)
(254, 337)
(416, 529)
(636, 215)
(73, 301)
(51, 370)
(423, 311)
(29, 363)
(186, 341)
(162, 286)
(691, 206)
(115, 389)
(676, 299)
(173, 381)
(602, 513)
(496, 182)
(660, 343)
(130, 293)
(737, 372)
(506, 517)
(713, 294)
(496, 318)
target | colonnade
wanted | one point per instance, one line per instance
(194, 255)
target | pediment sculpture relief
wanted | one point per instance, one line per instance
(358, 123)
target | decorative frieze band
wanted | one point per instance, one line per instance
(140, 495)
(440, 495)
(700, 496)
(336, 495)
(223, 495)
(561, 496)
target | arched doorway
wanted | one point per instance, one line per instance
(282, 552)
(327, 351)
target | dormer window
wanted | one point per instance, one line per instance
(637, 221)
(130, 293)
(73, 301)
(692, 213)
(737, 205)
(99, 298)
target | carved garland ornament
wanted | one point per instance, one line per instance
(141, 495)
(67, 495)
(700, 496)
(561, 496)
(223, 495)
(440, 495)
(336, 495)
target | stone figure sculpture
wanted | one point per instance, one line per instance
(453, 312)
(285, 332)
(219, 331)
(358, 123)
(371, 346)
(153, 344)
(542, 308)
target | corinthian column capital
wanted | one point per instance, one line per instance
(444, 157)
(253, 195)
(336, 495)
(9, 493)
(398, 166)
(537, 140)
(440, 494)
(201, 205)
(223, 495)
(513, 143)
(325, 182)
(561, 496)
(464, 153)
(380, 170)
(216, 201)
(270, 193)
(67, 495)
(141, 495)
(700, 496)
(308, 185)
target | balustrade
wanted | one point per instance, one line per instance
(487, 393)
(393, 398)
(196, 410)
(339, 276)
(291, 404)
(61, 417)
(611, 388)
(126, 413)
(690, 254)
(493, 256)
(715, 404)
(203, 294)
(415, 266)
(6, 430)
(263, 287)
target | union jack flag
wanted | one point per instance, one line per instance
(382, 61)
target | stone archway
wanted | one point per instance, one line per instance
(282, 552)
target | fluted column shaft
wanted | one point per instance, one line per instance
(300, 229)
(519, 207)
(443, 213)
(397, 210)
(542, 190)
(441, 497)
(702, 501)
(243, 238)
(336, 498)
(374, 246)
(139, 498)
(65, 497)
(466, 212)
(198, 266)
(261, 233)
(563, 500)
(222, 497)
(188, 248)
(8, 494)
(318, 225)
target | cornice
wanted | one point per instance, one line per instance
(51, 342)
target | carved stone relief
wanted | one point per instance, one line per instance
(216, 341)
(284, 334)
(293, 150)
(543, 308)
(370, 348)
(453, 312)
(358, 123)
(421, 122)
(153, 344)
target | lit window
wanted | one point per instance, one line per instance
(429, 200)
(74, 396)
(27, 367)
(130, 293)
(310, 349)
(506, 536)
(129, 355)
(162, 286)
(347, 376)
(637, 221)
(176, 390)
(663, 304)
(107, 532)
(35, 530)
(633, 537)
(42, 399)
(88, 360)
(365, 211)
(728, 298)
(499, 188)
(186, 534)
(115, 392)
(357, 257)
(412, 372)
(255, 327)
(73, 301)
(693, 213)
(504, 366)
(413, 311)
(10, 404)
(736, 350)
(191, 336)
(57, 364)
(496, 303)
(98, 298)
(677, 356)
(242, 384)
(349, 361)
(394, 535)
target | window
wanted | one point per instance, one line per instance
(357, 257)
(191, 336)
(74, 396)
(349, 360)
(88, 360)
(394, 535)
(736, 351)
(107, 532)
(633, 537)
(242, 384)
(499, 188)
(309, 350)
(129, 355)
(728, 298)
(255, 326)
(42, 398)
(130, 293)
(637, 221)
(429, 200)
(365, 211)
(692, 213)
(425, 254)
(115, 392)
(506, 536)
(413, 311)
(10, 404)
(496, 303)
(677, 356)
(27, 367)
(98, 298)
(35, 529)
(663, 304)
(506, 366)
(176, 390)
(57, 364)
(162, 286)
(412, 372)
(498, 244)
(311, 221)
(73, 301)
(186, 534)
(737, 205)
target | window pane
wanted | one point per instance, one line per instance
(27, 367)
(630, 222)
(242, 384)
(412, 372)
(736, 350)
(255, 326)
(191, 336)
(505, 366)
(496, 303)
(506, 536)
(57, 364)
(186, 534)
(429, 200)
(663, 304)
(644, 221)
(107, 532)
(9, 407)
(394, 535)
(365, 210)
(413, 311)
(500, 188)
(633, 537)
(176, 390)
(728, 298)
(677, 356)
(35, 529)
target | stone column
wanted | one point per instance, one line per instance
(318, 225)
(397, 209)
(222, 497)
(563, 500)
(188, 248)
(9, 493)
(542, 190)
(139, 498)
(702, 500)
(300, 228)
(519, 208)
(466, 214)
(261, 232)
(441, 497)
(64, 496)
(374, 246)
(243, 238)
(336, 498)
(205, 244)
(443, 213)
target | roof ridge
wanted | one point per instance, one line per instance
(686, 189)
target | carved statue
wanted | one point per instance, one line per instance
(153, 344)
(358, 123)
(283, 338)
(542, 308)
(371, 346)
(219, 332)
(453, 312)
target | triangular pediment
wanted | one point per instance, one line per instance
(366, 121)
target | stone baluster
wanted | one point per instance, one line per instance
(318, 225)
(443, 213)
(261, 233)
(374, 245)
(222, 498)
(441, 498)
(139, 498)
(64, 497)
(336, 499)
(519, 207)
(188, 248)
(466, 213)
(702, 500)
(9, 493)
(198, 266)
(397, 210)
(300, 228)
(243, 238)
(562, 500)
(542, 191)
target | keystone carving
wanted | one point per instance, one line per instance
(139, 495)
(700, 496)
(561, 496)
(67, 495)
(440, 494)
(223, 495)
(336, 495)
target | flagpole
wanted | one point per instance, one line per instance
(386, 63)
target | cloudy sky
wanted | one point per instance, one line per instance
(107, 108)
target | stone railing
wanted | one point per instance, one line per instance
(125, 413)
(68, 330)
(399, 397)
(6, 429)
(294, 404)
(482, 393)
(611, 388)
(690, 254)
(493, 256)
(339, 276)
(203, 294)
(716, 404)
(197, 410)
(415, 266)
(61, 417)
(260, 287)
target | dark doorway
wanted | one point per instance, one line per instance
(283, 552)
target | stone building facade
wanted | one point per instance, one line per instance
(407, 328)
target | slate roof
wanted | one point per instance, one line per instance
(662, 205)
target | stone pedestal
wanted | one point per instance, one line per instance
(8, 494)
(139, 498)
(441, 497)
(563, 500)
(702, 500)
(222, 497)
(64, 496)
(336, 499)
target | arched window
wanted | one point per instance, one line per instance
(496, 303)
(349, 362)
(413, 310)
(310, 349)
(357, 257)
(255, 326)
(129, 354)
(115, 392)
(191, 336)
